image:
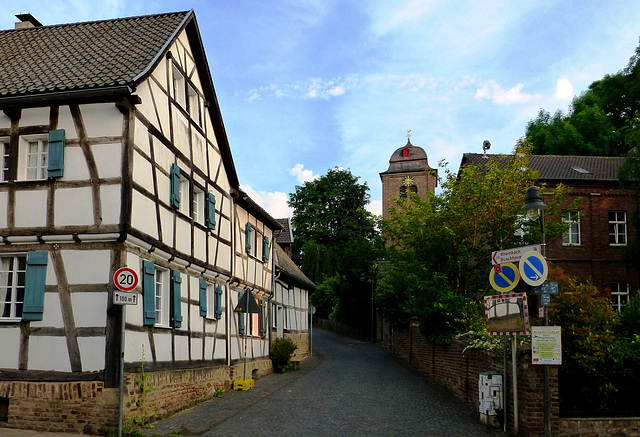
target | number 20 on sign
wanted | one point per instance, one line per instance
(125, 279)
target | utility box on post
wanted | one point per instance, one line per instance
(490, 397)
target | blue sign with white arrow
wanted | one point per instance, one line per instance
(533, 268)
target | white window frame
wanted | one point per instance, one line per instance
(4, 159)
(617, 228)
(211, 301)
(25, 168)
(571, 237)
(162, 296)
(197, 205)
(194, 105)
(177, 85)
(12, 286)
(185, 198)
(619, 295)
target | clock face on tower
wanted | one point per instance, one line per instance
(408, 181)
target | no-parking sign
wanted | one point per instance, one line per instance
(533, 268)
(504, 277)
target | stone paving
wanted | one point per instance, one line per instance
(349, 388)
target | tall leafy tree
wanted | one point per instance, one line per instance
(336, 243)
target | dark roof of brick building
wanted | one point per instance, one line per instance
(96, 54)
(559, 168)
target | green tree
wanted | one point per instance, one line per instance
(438, 256)
(336, 244)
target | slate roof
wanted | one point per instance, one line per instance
(97, 54)
(285, 236)
(560, 168)
(291, 271)
(416, 161)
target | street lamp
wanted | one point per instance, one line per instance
(534, 207)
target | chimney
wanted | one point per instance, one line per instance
(27, 21)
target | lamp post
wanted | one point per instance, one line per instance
(534, 207)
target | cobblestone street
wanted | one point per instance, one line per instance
(353, 389)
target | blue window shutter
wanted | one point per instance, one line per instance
(210, 215)
(34, 285)
(55, 168)
(263, 319)
(177, 299)
(265, 249)
(203, 297)
(218, 301)
(247, 237)
(175, 186)
(241, 317)
(149, 292)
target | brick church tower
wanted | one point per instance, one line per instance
(408, 171)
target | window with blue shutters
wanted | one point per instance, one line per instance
(148, 293)
(218, 301)
(55, 167)
(176, 282)
(265, 249)
(247, 237)
(202, 291)
(175, 186)
(210, 219)
(22, 286)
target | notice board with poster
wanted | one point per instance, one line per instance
(546, 345)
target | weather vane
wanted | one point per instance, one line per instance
(409, 134)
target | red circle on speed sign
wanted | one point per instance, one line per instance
(125, 279)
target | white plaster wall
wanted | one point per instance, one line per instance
(31, 208)
(134, 313)
(111, 196)
(166, 221)
(143, 215)
(220, 351)
(92, 354)
(75, 167)
(182, 348)
(10, 341)
(224, 255)
(199, 150)
(142, 172)
(224, 230)
(196, 348)
(137, 347)
(181, 132)
(87, 266)
(199, 243)
(208, 347)
(141, 135)
(48, 353)
(73, 206)
(4, 198)
(89, 309)
(162, 106)
(102, 120)
(108, 159)
(34, 116)
(65, 121)
(183, 236)
(5, 122)
(52, 314)
(162, 341)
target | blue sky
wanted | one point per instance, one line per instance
(305, 86)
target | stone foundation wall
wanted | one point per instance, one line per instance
(302, 341)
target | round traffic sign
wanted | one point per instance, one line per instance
(504, 277)
(533, 268)
(125, 279)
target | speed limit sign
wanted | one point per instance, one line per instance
(125, 279)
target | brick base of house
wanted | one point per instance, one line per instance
(85, 407)
(302, 341)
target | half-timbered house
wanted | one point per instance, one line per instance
(114, 154)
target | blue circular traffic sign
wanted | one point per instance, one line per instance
(533, 268)
(504, 277)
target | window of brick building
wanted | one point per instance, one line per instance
(571, 236)
(617, 228)
(619, 295)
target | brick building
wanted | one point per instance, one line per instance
(591, 248)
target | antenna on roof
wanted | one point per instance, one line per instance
(486, 145)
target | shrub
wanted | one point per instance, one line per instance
(281, 351)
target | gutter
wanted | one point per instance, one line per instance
(38, 99)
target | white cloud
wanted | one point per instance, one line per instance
(375, 207)
(275, 203)
(412, 11)
(564, 89)
(303, 175)
(491, 90)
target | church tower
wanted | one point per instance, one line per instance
(408, 171)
